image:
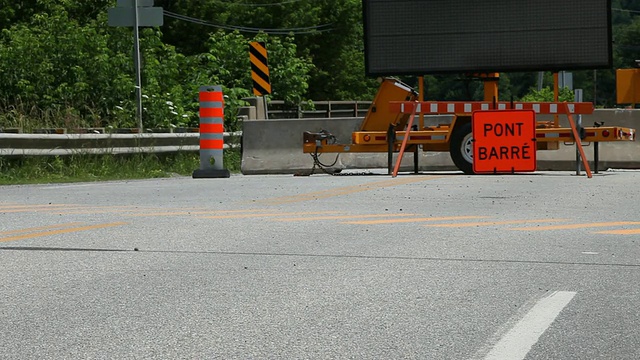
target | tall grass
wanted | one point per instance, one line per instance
(19, 114)
(76, 168)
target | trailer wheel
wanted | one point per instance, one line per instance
(461, 148)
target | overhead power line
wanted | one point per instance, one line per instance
(625, 10)
(258, 5)
(255, 30)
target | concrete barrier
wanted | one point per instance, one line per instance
(275, 146)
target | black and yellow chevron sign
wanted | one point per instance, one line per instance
(259, 68)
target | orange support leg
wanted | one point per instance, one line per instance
(576, 136)
(404, 142)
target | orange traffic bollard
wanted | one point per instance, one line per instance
(211, 134)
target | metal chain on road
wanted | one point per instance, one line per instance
(319, 165)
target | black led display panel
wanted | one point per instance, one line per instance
(416, 37)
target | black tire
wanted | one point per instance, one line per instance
(461, 148)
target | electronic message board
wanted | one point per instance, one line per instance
(417, 37)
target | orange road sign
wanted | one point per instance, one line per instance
(259, 68)
(627, 86)
(504, 141)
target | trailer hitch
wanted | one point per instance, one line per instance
(319, 138)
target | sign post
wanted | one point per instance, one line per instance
(504, 141)
(136, 13)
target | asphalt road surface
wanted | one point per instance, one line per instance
(429, 266)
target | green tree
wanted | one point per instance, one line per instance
(336, 50)
(82, 73)
(13, 12)
(546, 94)
(56, 63)
(227, 63)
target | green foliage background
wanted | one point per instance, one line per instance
(62, 65)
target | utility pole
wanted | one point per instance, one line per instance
(136, 61)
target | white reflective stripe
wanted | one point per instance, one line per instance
(502, 106)
(434, 108)
(484, 107)
(403, 87)
(572, 108)
(451, 108)
(419, 108)
(402, 108)
(438, 137)
(519, 106)
(553, 108)
(536, 108)
(467, 108)
(551, 135)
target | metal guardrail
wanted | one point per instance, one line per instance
(318, 109)
(71, 144)
(60, 141)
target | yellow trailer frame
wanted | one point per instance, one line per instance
(384, 127)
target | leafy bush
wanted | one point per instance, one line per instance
(59, 72)
(546, 94)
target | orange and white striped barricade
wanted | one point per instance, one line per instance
(211, 134)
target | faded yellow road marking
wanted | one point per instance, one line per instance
(18, 207)
(577, 226)
(85, 212)
(240, 216)
(410, 220)
(28, 230)
(198, 212)
(490, 223)
(61, 231)
(149, 208)
(347, 190)
(128, 209)
(338, 217)
(620, 232)
(67, 210)
(43, 208)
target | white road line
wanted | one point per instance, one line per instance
(517, 342)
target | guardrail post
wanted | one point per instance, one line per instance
(211, 134)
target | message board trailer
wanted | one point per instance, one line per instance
(384, 127)
(479, 39)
